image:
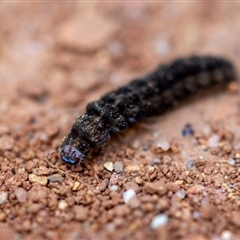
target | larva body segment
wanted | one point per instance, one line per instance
(145, 97)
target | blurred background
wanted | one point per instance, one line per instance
(54, 56)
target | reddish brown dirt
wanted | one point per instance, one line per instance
(57, 57)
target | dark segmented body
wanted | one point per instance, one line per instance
(143, 97)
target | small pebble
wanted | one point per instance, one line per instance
(131, 168)
(41, 170)
(190, 164)
(3, 197)
(159, 220)
(196, 189)
(128, 195)
(21, 194)
(62, 205)
(6, 143)
(158, 187)
(136, 144)
(226, 235)
(42, 180)
(196, 215)
(75, 186)
(187, 130)
(103, 185)
(108, 166)
(139, 180)
(56, 178)
(113, 188)
(131, 185)
(213, 141)
(118, 167)
(162, 47)
(181, 194)
(156, 161)
(161, 146)
(231, 161)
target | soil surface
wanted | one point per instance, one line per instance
(175, 176)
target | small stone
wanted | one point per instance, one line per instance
(3, 217)
(136, 144)
(179, 182)
(131, 185)
(226, 235)
(134, 202)
(62, 205)
(75, 186)
(6, 143)
(231, 161)
(108, 166)
(139, 180)
(80, 212)
(161, 146)
(162, 47)
(196, 215)
(113, 188)
(181, 194)
(159, 220)
(21, 194)
(3, 197)
(132, 168)
(156, 161)
(103, 185)
(190, 164)
(158, 187)
(128, 195)
(187, 130)
(213, 141)
(42, 180)
(196, 189)
(41, 171)
(129, 153)
(118, 167)
(56, 178)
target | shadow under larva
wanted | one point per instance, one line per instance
(141, 98)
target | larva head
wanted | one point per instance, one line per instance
(71, 155)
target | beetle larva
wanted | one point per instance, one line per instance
(142, 97)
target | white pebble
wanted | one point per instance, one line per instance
(159, 220)
(163, 145)
(128, 195)
(162, 47)
(231, 161)
(114, 188)
(108, 166)
(213, 140)
(62, 205)
(181, 194)
(226, 235)
(3, 197)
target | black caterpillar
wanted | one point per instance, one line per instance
(142, 97)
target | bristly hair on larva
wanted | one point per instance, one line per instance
(141, 98)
